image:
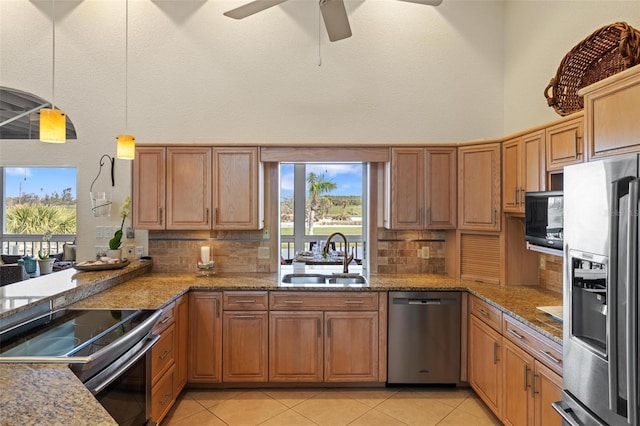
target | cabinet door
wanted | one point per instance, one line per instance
(295, 346)
(245, 340)
(162, 396)
(182, 339)
(406, 190)
(148, 198)
(237, 189)
(188, 188)
(441, 194)
(351, 347)
(511, 174)
(548, 389)
(534, 169)
(485, 366)
(479, 187)
(205, 337)
(565, 144)
(517, 408)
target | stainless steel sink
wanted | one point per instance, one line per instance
(322, 279)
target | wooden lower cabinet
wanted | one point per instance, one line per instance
(529, 389)
(205, 337)
(296, 346)
(182, 339)
(244, 342)
(163, 396)
(163, 364)
(351, 347)
(485, 364)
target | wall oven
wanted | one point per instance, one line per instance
(108, 350)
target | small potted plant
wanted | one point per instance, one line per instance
(44, 261)
(114, 251)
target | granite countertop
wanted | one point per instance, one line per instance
(26, 390)
(152, 291)
(30, 395)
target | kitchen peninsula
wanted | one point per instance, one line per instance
(147, 290)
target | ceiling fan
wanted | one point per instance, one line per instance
(333, 12)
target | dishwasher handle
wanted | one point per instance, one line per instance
(423, 301)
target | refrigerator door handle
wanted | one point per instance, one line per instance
(566, 414)
(632, 305)
(619, 189)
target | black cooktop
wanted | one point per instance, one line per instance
(69, 332)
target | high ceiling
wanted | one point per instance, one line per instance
(19, 115)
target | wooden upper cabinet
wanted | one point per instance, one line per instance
(441, 195)
(565, 144)
(149, 183)
(611, 110)
(523, 169)
(406, 188)
(238, 193)
(421, 188)
(479, 187)
(188, 188)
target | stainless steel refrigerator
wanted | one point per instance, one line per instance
(600, 330)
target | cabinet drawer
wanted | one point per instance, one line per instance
(166, 319)
(245, 300)
(488, 314)
(162, 397)
(539, 346)
(162, 353)
(335, 301)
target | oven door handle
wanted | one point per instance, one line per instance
(101, 380)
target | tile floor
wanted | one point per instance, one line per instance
(302, 407)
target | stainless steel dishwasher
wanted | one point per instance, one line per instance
(424, 337)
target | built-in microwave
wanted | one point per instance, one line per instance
(543, 218)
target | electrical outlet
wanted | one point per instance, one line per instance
(264, 253)
(543, 262)
(131, 252)
(99, 232)
(130, 233)
(266, 234)
(426, 252)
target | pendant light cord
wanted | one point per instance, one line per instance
(319, 35)
(126, 67)
(53, 60)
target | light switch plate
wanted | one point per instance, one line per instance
(426, 253)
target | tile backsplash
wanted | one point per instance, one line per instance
(406, 252)
(551, 272)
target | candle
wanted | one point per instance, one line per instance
(204, 254)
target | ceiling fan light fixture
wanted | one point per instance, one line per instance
(53, 126)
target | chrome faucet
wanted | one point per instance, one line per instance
(347, 259)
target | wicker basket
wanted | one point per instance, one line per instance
(607, 51)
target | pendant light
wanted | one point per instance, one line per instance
(53, 122)
(126, 144)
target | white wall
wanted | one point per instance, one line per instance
(411, 73)
(538, 34)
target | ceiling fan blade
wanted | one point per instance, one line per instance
(335, 19)
(427, 2)
(251, 8)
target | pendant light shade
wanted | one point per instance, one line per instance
(53, 126)
(126, 147)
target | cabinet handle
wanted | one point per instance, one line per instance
(215, 216)
(495, 353)
(353, 302)
(165, 320)
(483, 312)
(526, 376)
(575, 141)
(522, 191)
(217, 310)
(319, 327)
(293, 302)
(515, 195)
(329, 328)
(533, 384)
(206, 216)
(516, 335)
(246, 301)
(245, 317)
(550, 356)
(165, 353)
(160, 215)
(429, 216)
(495, 216)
